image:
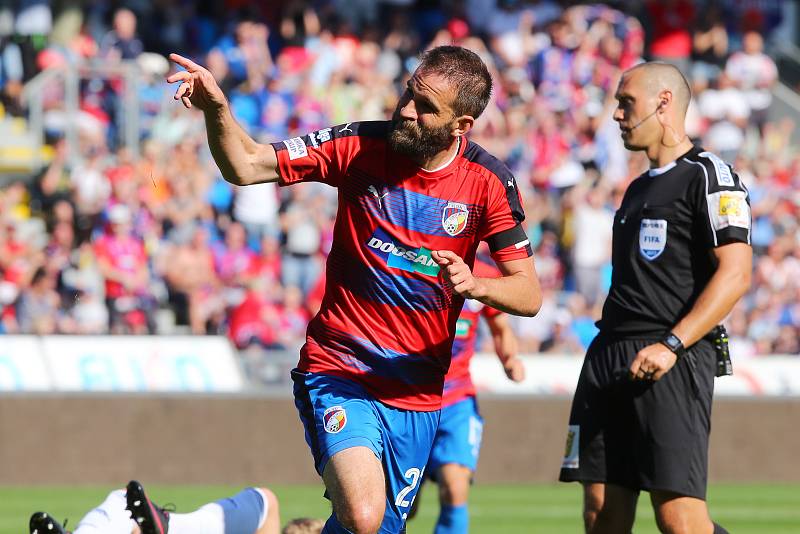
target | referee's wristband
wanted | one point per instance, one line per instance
(674, 343)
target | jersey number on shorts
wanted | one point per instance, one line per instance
(412, 474)
(475, 434)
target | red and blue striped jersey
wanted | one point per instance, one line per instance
(387, 320)
(458, 381)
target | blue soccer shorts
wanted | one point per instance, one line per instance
(339, 414)
(458, 438)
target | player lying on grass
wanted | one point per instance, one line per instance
(130, 511)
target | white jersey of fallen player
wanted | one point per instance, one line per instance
(111, 517)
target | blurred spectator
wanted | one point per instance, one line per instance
(234, 262)
(302, 239)
(294, 317)
(755, 73)
(255, 321)
(12, 71)
(91, 190)
(709, 44)
(32, 26)
(121, 42)
(256, 207)
(122, 261)
(89, 315)
(194, 289)
(592, 224)
(671, 40)
(38, 308)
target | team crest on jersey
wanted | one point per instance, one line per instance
(334, 419)
(454, 218)
(652, 238)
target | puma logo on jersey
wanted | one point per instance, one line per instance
(374, 190)
(346, 128)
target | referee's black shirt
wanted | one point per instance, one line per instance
(664, 232)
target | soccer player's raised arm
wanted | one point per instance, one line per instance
(241, 160)
(516, 292)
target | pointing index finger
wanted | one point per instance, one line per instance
(448, 255)
(184, 62)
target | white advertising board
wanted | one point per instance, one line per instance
(22, 367)
(765, 376)
(141, 363)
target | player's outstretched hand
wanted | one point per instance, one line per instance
(457, 274)
(515, 369)
(652, 362)
(197, 85)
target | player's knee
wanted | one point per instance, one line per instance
(590, 516)
(592, 506)
(272, 500)
(673, 523)
(362, 517)
(453, 493)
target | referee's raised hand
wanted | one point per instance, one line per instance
(652, 362)
(197, 87)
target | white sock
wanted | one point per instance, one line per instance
(110, 517)
(265, 511)
(208, 519)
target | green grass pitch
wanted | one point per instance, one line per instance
(527, 509)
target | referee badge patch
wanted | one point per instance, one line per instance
(572, 449)
(652, 238)
(729, 208)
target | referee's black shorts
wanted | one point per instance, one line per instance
(638, 434)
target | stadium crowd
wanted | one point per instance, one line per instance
(107, 242)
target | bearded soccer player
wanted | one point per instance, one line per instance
(415, 199)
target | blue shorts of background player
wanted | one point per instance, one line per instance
(458, 438)
(453, 461)
(339, 414)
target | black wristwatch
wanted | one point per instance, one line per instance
(674, 343)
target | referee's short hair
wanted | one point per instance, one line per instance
(467, 73)
(661, 75)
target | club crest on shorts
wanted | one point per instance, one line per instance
(652, 238)
(334, 419)
(454, 218)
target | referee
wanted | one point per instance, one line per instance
(640, 418)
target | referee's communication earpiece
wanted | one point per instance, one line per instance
(660, 105)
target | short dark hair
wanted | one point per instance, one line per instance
(467, 73)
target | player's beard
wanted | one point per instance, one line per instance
(420, 143)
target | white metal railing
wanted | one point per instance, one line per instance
(70, 77)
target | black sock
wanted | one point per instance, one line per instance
(719, 530)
